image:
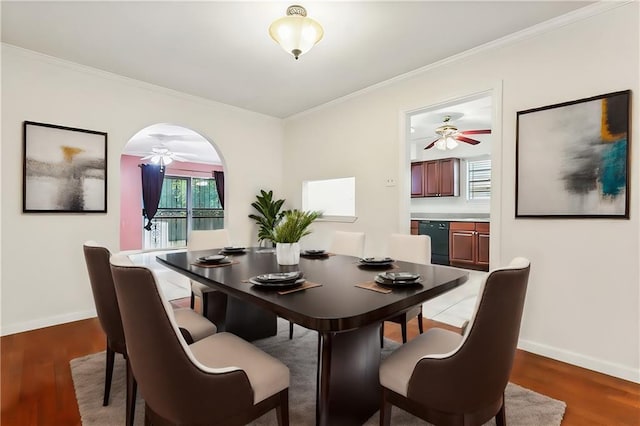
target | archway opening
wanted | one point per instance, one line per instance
(192, 195)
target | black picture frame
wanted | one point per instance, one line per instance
(64, 169)
(572, 159)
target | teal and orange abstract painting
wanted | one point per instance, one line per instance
(573, 158)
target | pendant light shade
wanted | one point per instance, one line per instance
(296, 33)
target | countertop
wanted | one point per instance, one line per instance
(452, 217)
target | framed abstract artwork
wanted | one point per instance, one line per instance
(572, 159)
(64, 169)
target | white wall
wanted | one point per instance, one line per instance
(44, 280)
(582, 301)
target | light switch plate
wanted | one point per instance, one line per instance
(390, 182)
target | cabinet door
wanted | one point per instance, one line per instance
(417, 178)
(449, 180)
(414, 227)
(462, 246)
(483, 249)
(431, 179)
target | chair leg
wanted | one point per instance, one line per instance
(282, 410)
(290, 330)
(108, 374)
(420, 327)
(385, 410)
(501, 418)
(193, 301)
(205, 305)
(403, 326)
(382, 335)
(132, 390)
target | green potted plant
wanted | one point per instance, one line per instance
(269, 214)
(287, 234)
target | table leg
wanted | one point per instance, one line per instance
(249, 321)
(348, 386)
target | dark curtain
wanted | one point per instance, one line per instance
(152, 179)
(219, 177)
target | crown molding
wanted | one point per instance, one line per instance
(577, 15)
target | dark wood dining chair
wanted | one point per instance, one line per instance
(219, 380)
(450, 379)
(192, 325)
(414, 249)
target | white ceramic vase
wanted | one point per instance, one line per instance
(288, 253)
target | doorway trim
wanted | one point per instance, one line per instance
(496, 204)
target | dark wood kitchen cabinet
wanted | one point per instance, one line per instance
(414, 227)
(442, 178)
(417, 179)
(469, 245)
(436, 178)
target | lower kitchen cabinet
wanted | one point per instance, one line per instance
(469, 245)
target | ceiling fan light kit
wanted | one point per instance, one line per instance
(296, 33)
(449, 136)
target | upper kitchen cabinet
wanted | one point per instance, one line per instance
(442, 178)
(417, 179)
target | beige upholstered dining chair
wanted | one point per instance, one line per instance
(193, 326)
(204, 240)
(451, 379)
(348, 243)
(237, 381)
(414, 249)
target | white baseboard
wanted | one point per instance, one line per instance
(47, 322)
(590, 363)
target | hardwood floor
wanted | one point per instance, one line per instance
(37, 388)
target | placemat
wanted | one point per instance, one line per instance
(373, 286)
(305, 285)
(214, 265)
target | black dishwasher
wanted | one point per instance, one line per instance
(439, 233)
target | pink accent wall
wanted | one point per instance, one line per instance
(131, 195)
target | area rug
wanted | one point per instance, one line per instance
(524, 407)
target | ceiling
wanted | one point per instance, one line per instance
(222, 51)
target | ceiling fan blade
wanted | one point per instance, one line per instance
(431, 144)
(467, 140)
(475, 132)
(185, 154)
(147, 157)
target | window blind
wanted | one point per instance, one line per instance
(479, 180)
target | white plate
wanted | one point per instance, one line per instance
(278, 277)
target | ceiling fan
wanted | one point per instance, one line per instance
(163, 156)
(449, 135)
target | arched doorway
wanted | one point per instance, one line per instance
(192, 194)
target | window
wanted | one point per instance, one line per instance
(334, 197)
(479, 180)
(185, 203)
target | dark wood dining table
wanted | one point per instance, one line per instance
(347, 318)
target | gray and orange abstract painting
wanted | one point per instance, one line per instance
(573, 158)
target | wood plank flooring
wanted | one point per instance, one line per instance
(37, 389)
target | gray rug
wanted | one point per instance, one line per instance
(524, 407)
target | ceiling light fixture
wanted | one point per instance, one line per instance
(296, 33)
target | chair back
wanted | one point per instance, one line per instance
(96, 257)
(348, 243)
(476, 373)
(410, 248)
(208, 239)
(174, 384)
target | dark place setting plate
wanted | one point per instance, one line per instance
(213, 259)
(398, 278)
(376, 261)
(278, 279)
(233, 250)
(314, 253)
